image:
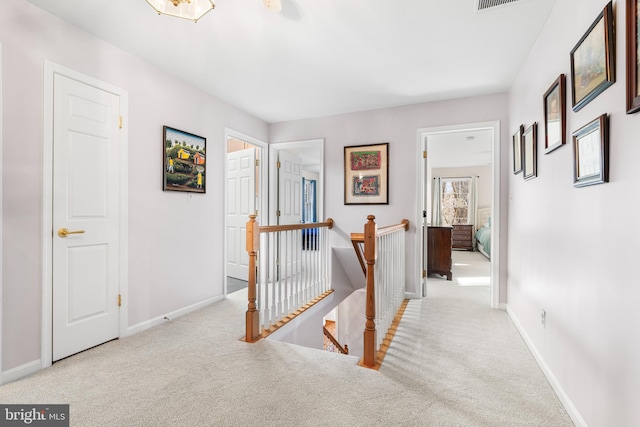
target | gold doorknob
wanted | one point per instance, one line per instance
(63, 232)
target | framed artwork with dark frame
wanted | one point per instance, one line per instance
(633, 57)
(530, 152)
(555, 115)
(366, 174)
(592, 60)
(517, 150)
(184, 161)
(591, 153)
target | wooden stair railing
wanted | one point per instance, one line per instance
(254, 330)
(367, 256)
(329, 335)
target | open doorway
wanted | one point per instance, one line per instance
(456, 160)
(296, 176)
(245, 195)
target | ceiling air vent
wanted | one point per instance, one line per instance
(482, 5)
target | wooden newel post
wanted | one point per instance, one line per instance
(253, 316)
(370, 345)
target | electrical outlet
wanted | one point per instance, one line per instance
(543, 318)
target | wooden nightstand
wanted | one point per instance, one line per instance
(462, 237)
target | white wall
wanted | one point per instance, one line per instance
(398, 126)
(572, 251)
(162, 277)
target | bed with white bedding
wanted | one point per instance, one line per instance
(483, 232)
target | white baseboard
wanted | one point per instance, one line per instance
(412, 295)
(143, 326)
(555, 384)
(20, 371)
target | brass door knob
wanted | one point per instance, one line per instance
(63, 232)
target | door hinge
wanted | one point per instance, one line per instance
(120, 122)
(424, 214)
(278, 164)
(119, 300)
(424, 154)
(257, 162)
(424, 273)
(278, 212)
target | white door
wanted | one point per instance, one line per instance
(86, 171)
(289, 188)
(241, 194)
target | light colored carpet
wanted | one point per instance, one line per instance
(453, 362)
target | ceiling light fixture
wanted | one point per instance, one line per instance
(192, 10)
(273, 5)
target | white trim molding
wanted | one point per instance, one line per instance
(555, 384)
(148, 324)
(50, 69)
(20, 372)
(422, 134)
(1, 234)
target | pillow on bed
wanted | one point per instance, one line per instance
(488, 223)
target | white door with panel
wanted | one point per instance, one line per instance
(86, 226)
(241, 202)
(289, 188)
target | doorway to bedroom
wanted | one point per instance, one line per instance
(459, 191)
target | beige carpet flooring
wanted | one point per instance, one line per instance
(453, 362)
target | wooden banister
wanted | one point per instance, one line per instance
(329, 335)
(291, 227)
(369, 239)
(253, 243)
(370, 347)
(313, 293)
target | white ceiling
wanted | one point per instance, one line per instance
(460, 149)
(324, 57)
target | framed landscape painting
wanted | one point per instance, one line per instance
(592, 60)
(530, 152)
(517, 150)
(184, 161)
(633, 57)
(555, 116)
(366, 174)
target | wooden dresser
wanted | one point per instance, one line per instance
(439, 251)
(462, 236)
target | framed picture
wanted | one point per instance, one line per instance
(184, 161)
(366, 174)
(555, 115)
(591, 153)
(592, 60)
(517, 150)
(633, 57)
(530, 152)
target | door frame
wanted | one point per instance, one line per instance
(422, 134)
(316, 144)
(50, 69)
(1, 234)
(264, 185)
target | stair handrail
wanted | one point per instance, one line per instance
(329, 335)
(253, 328)
(370, 237)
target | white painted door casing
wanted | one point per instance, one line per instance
(86, 177)
(241, 202)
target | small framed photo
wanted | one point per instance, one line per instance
(592, 60)
(530, 152)
(633, 57)
(591, 153)
(184, 161)
(366, 174)
(517, 150)
(555, 115)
